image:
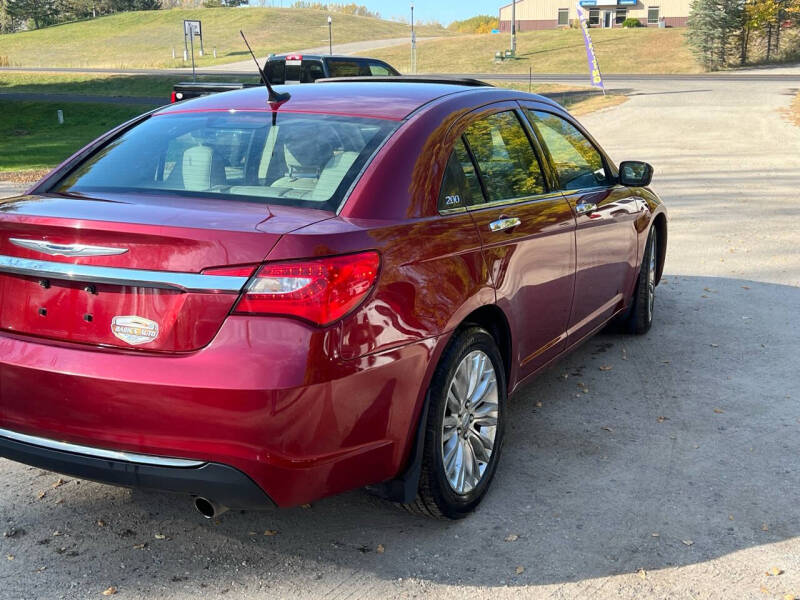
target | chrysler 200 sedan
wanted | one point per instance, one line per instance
(262, 304)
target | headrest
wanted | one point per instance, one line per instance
(197, 168)
(307, 146)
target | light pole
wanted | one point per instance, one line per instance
(330, 35)
(513, 27)
(413, 43)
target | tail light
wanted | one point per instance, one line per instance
(172, 98)
(319, 290)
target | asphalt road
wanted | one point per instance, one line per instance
(674, 474)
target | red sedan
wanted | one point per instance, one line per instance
(263, 304)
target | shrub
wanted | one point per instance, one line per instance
(478, 24)
(631, 22)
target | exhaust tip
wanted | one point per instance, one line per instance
(208, 508)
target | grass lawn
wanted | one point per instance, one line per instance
(645, 50)
(146, 39)
(31, 138)
(100, 85)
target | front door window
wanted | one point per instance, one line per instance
(577, 162)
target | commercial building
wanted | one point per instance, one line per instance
(550, 14)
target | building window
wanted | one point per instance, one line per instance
(652, 15)
(594, 16)
(563, 16)
(622, 14)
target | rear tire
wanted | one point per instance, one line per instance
(464, 429)
(641, 317)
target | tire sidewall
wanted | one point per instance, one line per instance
(640, 320)
(450, 503)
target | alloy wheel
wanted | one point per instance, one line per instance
(470, 422)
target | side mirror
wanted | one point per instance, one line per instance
(635, 173)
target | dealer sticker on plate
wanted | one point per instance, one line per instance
(134, 330)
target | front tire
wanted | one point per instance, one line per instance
(641, 317)
(464, 429)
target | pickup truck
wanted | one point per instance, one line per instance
(293, 68)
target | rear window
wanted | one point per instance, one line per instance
(307, 71)
(303, 160)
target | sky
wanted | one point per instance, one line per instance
(444, 11)
(436, 10)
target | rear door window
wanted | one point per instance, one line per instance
(378, 69)
(303, 160)
(577, 162)
(506, 160)
(341, 67)
(460, 185)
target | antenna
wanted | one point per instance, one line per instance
(274, 97)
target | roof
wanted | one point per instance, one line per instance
(319, 56)
(449, 80)
(374, 99)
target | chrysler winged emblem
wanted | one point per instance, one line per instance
(66, 249)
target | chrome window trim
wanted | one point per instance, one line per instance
(453, 211)
(516, 201)
(589, 190)
(139, 459)
(182, 282)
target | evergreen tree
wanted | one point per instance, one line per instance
(713, 27)
(41, 12)
(6, 22)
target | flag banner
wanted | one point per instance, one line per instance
(594, 68)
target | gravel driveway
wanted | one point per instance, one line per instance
(672, 474)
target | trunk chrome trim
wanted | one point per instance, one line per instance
(182, 282)
(139, 459)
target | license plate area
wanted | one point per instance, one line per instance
(79, 311)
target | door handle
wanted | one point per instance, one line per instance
(584, 208)
(504, 223)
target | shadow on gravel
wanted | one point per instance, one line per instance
(646, 452)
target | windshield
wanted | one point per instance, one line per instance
(303, 160)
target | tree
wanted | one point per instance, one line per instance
(128, 5)
(713, 25)
(41, 12)
(6, 22)
(762, 15)
(477, 24)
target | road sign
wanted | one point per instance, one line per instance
(193, 28)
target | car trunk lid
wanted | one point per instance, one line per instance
(130, 271)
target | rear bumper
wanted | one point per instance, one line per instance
(268, 398)
(222, 483)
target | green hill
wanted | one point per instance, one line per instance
(646, 50)
(146, 39)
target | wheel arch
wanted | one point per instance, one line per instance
(492, 318)
(403, 488)
(660, 225)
